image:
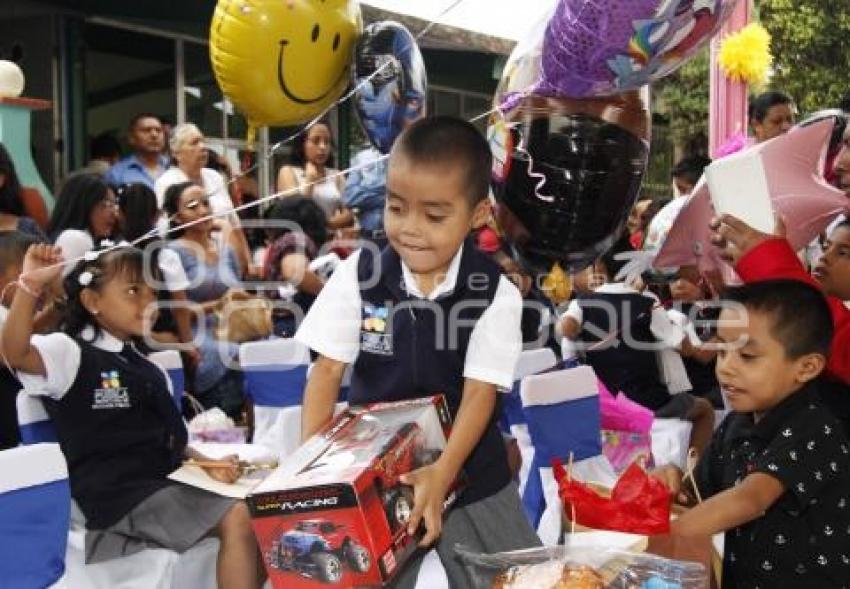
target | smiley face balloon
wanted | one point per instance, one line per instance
(282, 62)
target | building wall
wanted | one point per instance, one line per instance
(34, 39)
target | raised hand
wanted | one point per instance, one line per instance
(42, 265)
(734, 238)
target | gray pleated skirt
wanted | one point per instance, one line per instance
(176, 517)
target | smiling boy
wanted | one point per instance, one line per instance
(427, 315)
(776, 477)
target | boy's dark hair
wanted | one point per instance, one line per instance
(138, 206)
(171, 204)
(142, 115)
(612, 266)
(449, 140)
(800, 318)
(122, 261)
(79, 195)
(13, 247)
(690, 168)
(301, 211)
(764, 102)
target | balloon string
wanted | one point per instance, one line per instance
(522, 148)
(156, 233)
(273, 149)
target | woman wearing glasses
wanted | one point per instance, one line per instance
(214, 272)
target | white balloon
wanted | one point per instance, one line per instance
(11, 79)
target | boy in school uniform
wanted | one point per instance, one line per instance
(430, 314)
(776, 477)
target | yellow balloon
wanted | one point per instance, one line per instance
(282, 62)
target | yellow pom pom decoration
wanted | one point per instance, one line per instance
(745, 56)
(557, 285)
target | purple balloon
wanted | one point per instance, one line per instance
(601, 47)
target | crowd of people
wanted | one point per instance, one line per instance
(427, 206)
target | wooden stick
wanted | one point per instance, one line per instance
(243, 465)
(690, 464)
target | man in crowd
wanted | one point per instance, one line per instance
(147, 163)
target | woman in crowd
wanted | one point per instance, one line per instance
(214, 273)
(312, 173)
(86, 204)
(771, 115)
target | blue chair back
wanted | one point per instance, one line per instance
(562, 409)
(276, 385)
(275, 371)
(35, 506)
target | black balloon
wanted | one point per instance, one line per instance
(566, 175)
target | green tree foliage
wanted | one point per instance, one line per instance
(810, 49)
(683, 98)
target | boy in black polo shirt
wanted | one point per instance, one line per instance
(776, 477)
(430, 314)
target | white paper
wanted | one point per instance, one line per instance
(738, 187)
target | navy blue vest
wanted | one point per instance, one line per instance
(621, 366)
(412, 348)
(120, 432)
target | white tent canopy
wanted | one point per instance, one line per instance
(509, 19)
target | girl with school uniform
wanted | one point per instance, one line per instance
(114, 416)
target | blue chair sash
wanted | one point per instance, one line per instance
(34, 534)
(37, 432)
(178, 385)
(276, 386)
(556, 430)
(512, 411)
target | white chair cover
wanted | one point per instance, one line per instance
(275, 377)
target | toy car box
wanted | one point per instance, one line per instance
(335, 511)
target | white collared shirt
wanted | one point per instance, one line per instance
(332, 326)
(61, 356)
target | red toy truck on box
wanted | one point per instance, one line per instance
(334, 513)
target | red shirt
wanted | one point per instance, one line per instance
(774, 259)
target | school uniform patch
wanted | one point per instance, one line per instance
(111, 395)
(373, 327)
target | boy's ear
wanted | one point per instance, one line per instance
(810, 367)
(481, 213)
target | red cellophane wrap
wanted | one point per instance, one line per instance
(639, 503)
